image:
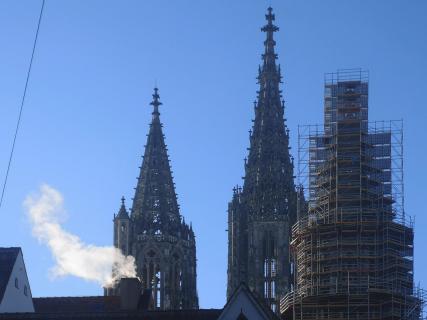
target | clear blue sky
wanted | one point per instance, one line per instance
(86, 117)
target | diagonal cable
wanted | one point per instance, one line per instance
(22, 104)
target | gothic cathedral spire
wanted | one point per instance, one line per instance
(162, 243)
(261, 213)
(155, 207)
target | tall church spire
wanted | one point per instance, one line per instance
(269, 170)
(155, 207)
(261, 213)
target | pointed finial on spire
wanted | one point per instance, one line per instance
(269, 55)
(270, 27)
(156, 102)
(122, 214)
(270, 16)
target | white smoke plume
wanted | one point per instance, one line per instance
(71, 255)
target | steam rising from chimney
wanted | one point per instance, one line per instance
(71, 255)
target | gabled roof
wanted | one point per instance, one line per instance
(7, 261)
(258, 304)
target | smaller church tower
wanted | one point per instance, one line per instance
(122, 229)
(155, 233)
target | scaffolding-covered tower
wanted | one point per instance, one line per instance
(353, 247)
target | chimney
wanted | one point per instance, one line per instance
(130, 293)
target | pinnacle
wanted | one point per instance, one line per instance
(270, 16)
(269, 55)
(123, 212)
(156, 102)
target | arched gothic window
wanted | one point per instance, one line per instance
(177, 279)
(157, 286)
(152, 277)
(270, 268)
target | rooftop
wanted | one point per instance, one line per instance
(7, 261)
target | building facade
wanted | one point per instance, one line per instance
(15, 292)
(354, 246)
(261, 212)
(154, 232)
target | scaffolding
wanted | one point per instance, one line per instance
(353, 246)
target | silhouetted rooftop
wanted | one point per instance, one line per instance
(7, 261)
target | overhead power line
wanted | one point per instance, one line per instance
(22, 104)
